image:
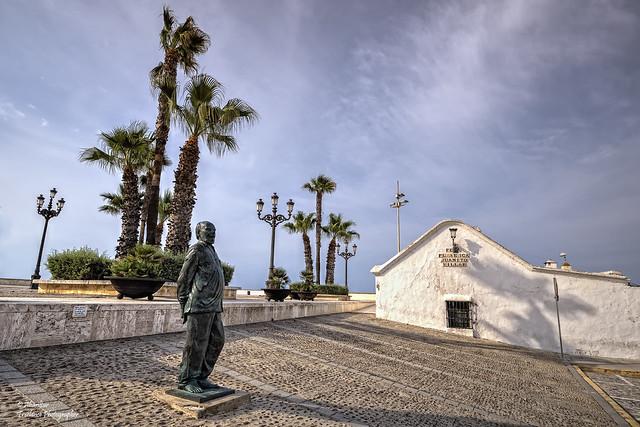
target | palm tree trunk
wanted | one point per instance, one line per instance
(331, 262)
(145, 209)
(169, 70)
(318, 233)
(184, 197)
(130, 213)
(159, 231)
(308, 259)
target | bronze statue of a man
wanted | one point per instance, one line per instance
(200, 293)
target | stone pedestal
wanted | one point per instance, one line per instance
(202, 404)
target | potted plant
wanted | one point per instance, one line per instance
(138, 274)
(305, 289)
(276, 285)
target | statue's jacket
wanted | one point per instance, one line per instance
(201, 281)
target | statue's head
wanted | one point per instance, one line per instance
(206, 232)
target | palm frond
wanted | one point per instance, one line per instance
(166, 34)
(221, 144)
(100, 157)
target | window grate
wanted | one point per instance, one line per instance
(459, 314)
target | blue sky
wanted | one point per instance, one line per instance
(520, 117)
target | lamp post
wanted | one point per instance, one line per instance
(273, 219)
(47, 213)
(400, 202)
(346, 255)
(453, 232)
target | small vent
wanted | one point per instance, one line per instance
(459, 314)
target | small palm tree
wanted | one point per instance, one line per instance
(202, 118)
(126, 149)
(336, 229)
(303, 223)
(164, 211)
(181, 45)
(320, 185)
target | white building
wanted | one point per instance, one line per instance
(486, 291)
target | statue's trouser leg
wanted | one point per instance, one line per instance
(195, 348)
(214, 347)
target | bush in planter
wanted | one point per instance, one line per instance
(228, 271)
(145, 261)
(279, 279)
(331, 289)
(78, 264)
(170, 266)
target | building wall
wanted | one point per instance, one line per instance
(513, 302)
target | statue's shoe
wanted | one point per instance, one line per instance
(193, 387)
(207, 385)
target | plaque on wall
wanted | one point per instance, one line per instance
(453, 259)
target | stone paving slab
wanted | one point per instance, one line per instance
(345, 369)
(624, 390)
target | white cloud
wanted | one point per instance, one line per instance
(9, 111)
(44, 122)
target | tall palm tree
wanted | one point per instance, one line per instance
(164, 210)
(181, 45)
(112, 202)
(336, 229)
(303, 223)
(126, 149)
(202, 118)
(145, 182)
(320, 185)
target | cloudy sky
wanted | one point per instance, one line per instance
(520, 117)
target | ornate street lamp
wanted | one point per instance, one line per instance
(346, 255)
(47, 213)
(400, 202)
(273, 219)
(453, 232)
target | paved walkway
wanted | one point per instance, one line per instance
(345, 369)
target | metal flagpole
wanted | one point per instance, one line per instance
(557, 298)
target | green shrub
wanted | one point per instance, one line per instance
(78, 264)
(145, 261)
(321, 289)
(228, 271)
(331, 289)
(170, 266)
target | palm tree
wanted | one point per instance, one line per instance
(127, 149)
(202, 118)
(145, 181)
(336, 229)
(181, 45)
(164, 210)
(320, 185)
(112, 202)
(303, 223)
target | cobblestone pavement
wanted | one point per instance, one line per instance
(624, 390)
(344, 369)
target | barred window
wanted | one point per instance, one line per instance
(459, 314)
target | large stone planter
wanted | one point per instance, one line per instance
(303, 295)
(332, 297)
(135, 287)
(276, 294)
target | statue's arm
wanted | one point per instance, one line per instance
(187, 274)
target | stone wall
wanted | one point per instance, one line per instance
(104, 288)
(43, 322)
